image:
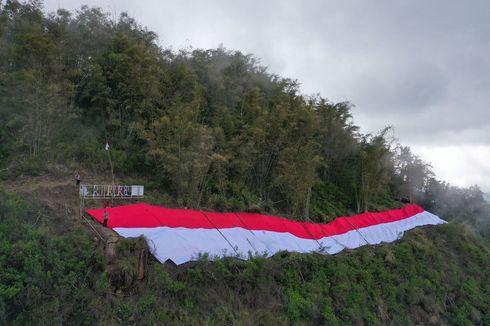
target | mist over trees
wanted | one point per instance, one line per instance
(208, 129)
(212, 128)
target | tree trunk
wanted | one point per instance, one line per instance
(307, 204)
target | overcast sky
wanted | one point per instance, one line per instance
(420, 66)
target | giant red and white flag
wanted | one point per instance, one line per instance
(182, 235)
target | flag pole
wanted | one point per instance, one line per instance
(112, 168)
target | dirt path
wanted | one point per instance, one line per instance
(56, 190)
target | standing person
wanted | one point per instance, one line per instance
(78, 178)
(106, 217)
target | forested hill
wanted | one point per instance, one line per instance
(210, 128)
(214, 130)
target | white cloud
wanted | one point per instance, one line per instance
(419, 66)
(463, 165)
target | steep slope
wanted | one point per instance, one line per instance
(207, 129)
(436, 275)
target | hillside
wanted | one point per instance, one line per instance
(434, 276)
(211, 130)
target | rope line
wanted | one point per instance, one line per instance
(243, 223)
(234, 249)
(311, 235)
(93, 228)
(355, 228)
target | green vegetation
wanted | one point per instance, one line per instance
(212, 129)
(44, 277)
(434, 276)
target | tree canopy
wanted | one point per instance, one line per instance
(213, 128)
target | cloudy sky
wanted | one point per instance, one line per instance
(420, 66)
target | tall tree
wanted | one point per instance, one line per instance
(413, 174)
(372, 170)
(183, 150)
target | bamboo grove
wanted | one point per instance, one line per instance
(211, 128)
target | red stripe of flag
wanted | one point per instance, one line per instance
(147, 216)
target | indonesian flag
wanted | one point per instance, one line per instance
(183, 235)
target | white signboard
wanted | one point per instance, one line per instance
(111, 191)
